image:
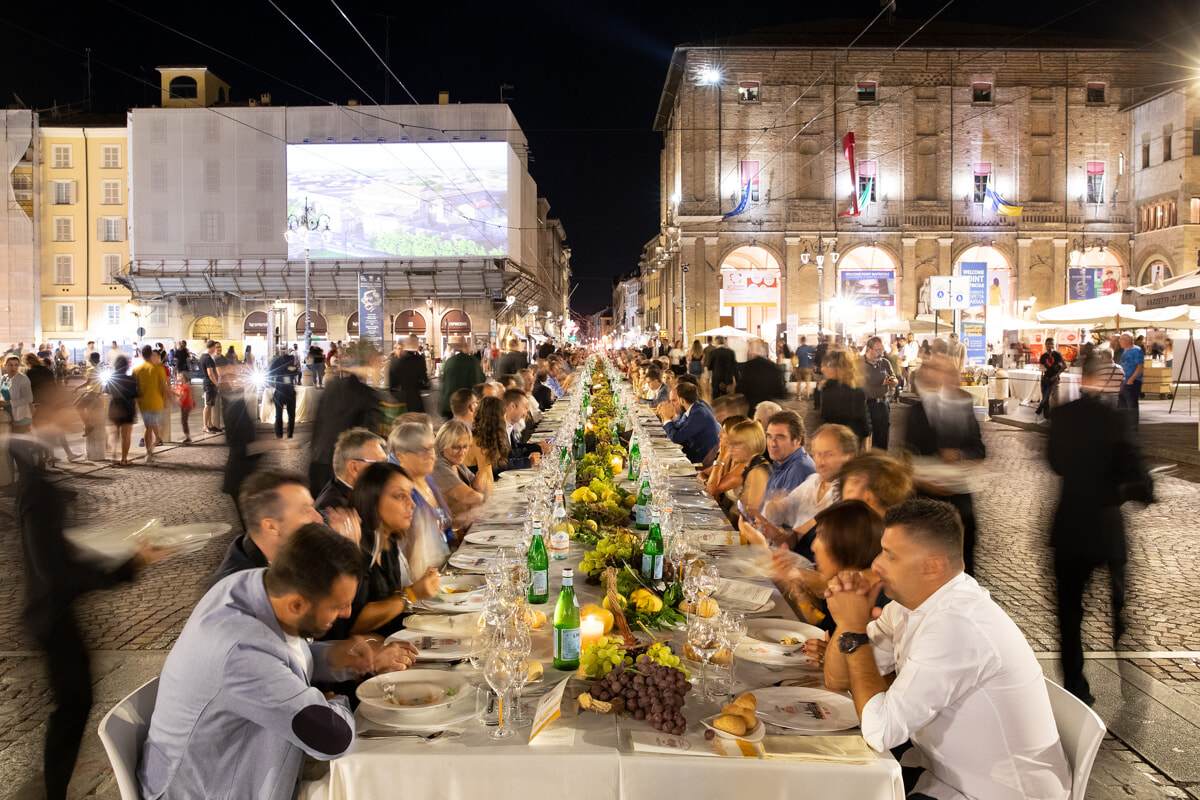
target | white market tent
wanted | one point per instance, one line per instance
(1110, 312)
(1183, 290)
(728, 332)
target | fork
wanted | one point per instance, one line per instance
(387, 734)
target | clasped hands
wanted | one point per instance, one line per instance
(367, 654)
(851, 600)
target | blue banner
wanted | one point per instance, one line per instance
(371, 321)
(975, 340)
(976, 274)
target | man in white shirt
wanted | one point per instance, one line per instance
(944, 667)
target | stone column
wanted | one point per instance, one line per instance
(1060, 273)
(907, 277)
(1021, 286)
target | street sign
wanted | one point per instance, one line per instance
(949, 293)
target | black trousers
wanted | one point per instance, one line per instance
(881, 423)
(1072, 572)
(288, 402)
(1048, 387)
(71, 684)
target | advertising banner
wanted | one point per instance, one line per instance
(750, 288)
(371, 318)
(975, 340)
(947, 293)
(976, 274)
(868, 287)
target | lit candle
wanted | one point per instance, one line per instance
(617, 465)
(590, 630)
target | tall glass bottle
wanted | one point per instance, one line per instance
(580, 441)
(641, 511)
(635, 457)
(652, 551)
(539, 567)
(566, 625)
(560, 534)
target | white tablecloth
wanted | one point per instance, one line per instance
(600, 764)
(1026, 386)
(306, 405)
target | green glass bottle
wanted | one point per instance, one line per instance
(652, 551)
(580, 442)
(635, 458)
(566, 625)
(641, 511)
(539, 567)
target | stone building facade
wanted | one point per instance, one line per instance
(757, 127)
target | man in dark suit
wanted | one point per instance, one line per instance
(1091, 447)
(662, 392)
(723, 364)
(407, 376)
(356, 449)
(512, 361)
(460, 371)
(521, 455)
(760, 378)
(943, 425)
(695, 429)
(281, 375)
(541, 392)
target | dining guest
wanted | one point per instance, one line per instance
(521, 455)
(725, 406)
(274, 504)
(465, 492)
(694, 428)
(747, 447)
(656, 391)
(842, 401)
(383, 498)
(791, 464)
(355, 450)
(726, 472)
(489, 438)
(943, 667)
(879, 481)
(541, 391)
(412, 445)
(463, 406)
(236, 710)
(766, 409)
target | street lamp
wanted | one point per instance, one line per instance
(819, 257)
(301, 229)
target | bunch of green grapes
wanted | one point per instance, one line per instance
(599, 657)
(660, 653)
(593, 563)
(616, 546)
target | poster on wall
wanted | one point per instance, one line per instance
(1088, 283)
(370, 309)
(975, 340)
(750, 288)
(868, 287)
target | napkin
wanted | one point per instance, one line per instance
(693, 744)
(834, 749)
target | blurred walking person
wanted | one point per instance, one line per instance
(122, 391)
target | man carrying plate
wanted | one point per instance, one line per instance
(943, 667)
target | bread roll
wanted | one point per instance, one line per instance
(735, 710)
(731, 723)
(535, 669)
(748, 700)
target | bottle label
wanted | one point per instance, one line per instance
(560, 542)
(541, 583)
(641, 516)
(652, 567)
(566, 642)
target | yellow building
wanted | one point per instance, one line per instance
(81, 219)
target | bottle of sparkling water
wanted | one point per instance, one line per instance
(580, 441)
(635, 457)
(652, 551)
(560, 534)
(568, 470)
(566, 625)
(641, 511)
(539, 567)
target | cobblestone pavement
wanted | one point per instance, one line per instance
(131, 628)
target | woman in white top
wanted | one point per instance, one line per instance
(16, 396)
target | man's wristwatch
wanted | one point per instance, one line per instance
(849, 642)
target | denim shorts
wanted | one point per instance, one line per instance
(151, 417)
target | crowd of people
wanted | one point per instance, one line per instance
(868, 545)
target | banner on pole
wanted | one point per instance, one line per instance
(371, 321)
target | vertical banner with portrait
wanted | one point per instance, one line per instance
(371, 322)
(972, 329)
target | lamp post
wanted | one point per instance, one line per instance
(819, 256)
(301, 229)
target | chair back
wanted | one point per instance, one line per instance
(1080, 730)
(123, 732)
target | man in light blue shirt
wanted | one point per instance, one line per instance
(1133, 364)
(236, 709)
(790, 463)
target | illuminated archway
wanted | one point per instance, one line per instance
(751, 289)
(1155, 268)
(208, 328)
(999, 288)
(866, 287)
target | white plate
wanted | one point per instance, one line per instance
(475, 560)
(797, 708)
(459, 711)
(764, 635)
(116, 542)
(700, 501)
(755, 734)
(467, 624)
(434, 646)
(747, 652)
(497, 537)
(457, 603)
(430, 690)
(188, 538)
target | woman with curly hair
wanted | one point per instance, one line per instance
(489, 438)
(843, 402)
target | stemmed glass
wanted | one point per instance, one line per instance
(705, 635)
(514, 639)
(500, 669)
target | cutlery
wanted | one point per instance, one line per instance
(386, 734)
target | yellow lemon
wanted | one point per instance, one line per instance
(603, 614)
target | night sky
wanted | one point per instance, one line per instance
(586, 77)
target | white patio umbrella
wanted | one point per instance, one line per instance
(727, 331)
(1183, 290)
(1110, 312)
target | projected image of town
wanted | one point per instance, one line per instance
(401, 200)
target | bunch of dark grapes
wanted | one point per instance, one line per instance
(652, 692)
(668, 571)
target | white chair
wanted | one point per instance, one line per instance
(123, 732)
(1081, 730)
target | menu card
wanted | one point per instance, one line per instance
(549, 709)
(742, 593)
(716, 537)
(835, 749)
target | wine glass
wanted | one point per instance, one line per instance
(703, 634)
(708, 579)
(500, 669)
(515, 639)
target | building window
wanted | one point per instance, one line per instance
(1167, 131)
(212, 175)
(182, 88)
(866, 175)
(214, 224)
(111, 193)
(1195, 219)
(110, 156)
(1120, 164)
(62, 156)
(866, 91)
(1145, 152)
(158, 176)
(64, 229)
(1095, 181)
(265, 178)
(112, 314)
(981, 93)
(158, 315)
(66, 316)
(748, 92)
(750, 180)
(110, 229)
(983, 172)
(62, 193)
(64, 270)
(1095, 92)
(112, 267)
(268, 225)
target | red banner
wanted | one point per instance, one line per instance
(848, 151)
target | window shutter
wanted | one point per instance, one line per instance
(100, 229)
(122, 228)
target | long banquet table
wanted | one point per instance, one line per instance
(590, 756)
